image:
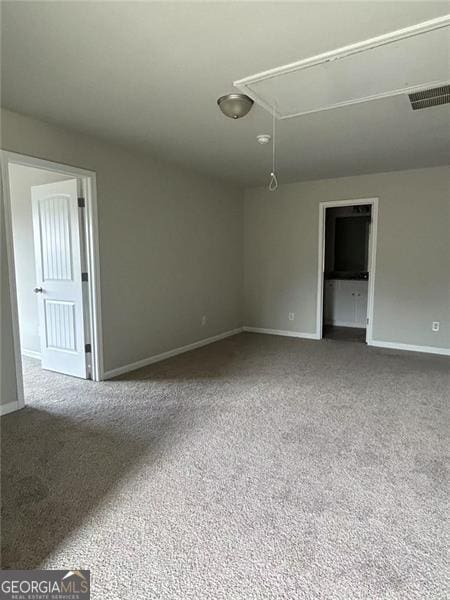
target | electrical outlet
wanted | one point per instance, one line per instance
(435, 326)
(291, 316)
(203, 321)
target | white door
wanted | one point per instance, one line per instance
(57, 235)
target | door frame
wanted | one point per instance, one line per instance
(89, 188)
(373, 239)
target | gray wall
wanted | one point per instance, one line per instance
(412, 285)
(7, 363)
(21, 179)
(170, 242)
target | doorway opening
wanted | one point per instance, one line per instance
(347, 252)
(52, 242)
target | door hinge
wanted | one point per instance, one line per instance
(81, 203)
(367, 320)
(88, 348)
(84, 276)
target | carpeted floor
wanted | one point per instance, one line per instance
(344, 334)
(256, 468)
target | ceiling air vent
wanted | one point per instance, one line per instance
(431, 97)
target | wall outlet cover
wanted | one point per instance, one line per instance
(435, 326)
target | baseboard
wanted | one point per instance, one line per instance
(9, 408)
(158, 357)
(410, 347)
(31, 354)
(378, 343)
(296, 334)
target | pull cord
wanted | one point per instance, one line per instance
(273, 183)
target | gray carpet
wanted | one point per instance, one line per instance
(259, 467)
(345, 334)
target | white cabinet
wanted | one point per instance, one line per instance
(360, 297)
(346, 302)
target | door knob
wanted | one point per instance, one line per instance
(38, 290)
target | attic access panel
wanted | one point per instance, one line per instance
(404, 61)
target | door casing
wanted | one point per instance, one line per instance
(372, 261)
(89, 190)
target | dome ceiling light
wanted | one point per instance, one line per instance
(235, 106)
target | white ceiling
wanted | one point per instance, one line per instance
(148, 74)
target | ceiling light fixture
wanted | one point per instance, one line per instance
(235, 106)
